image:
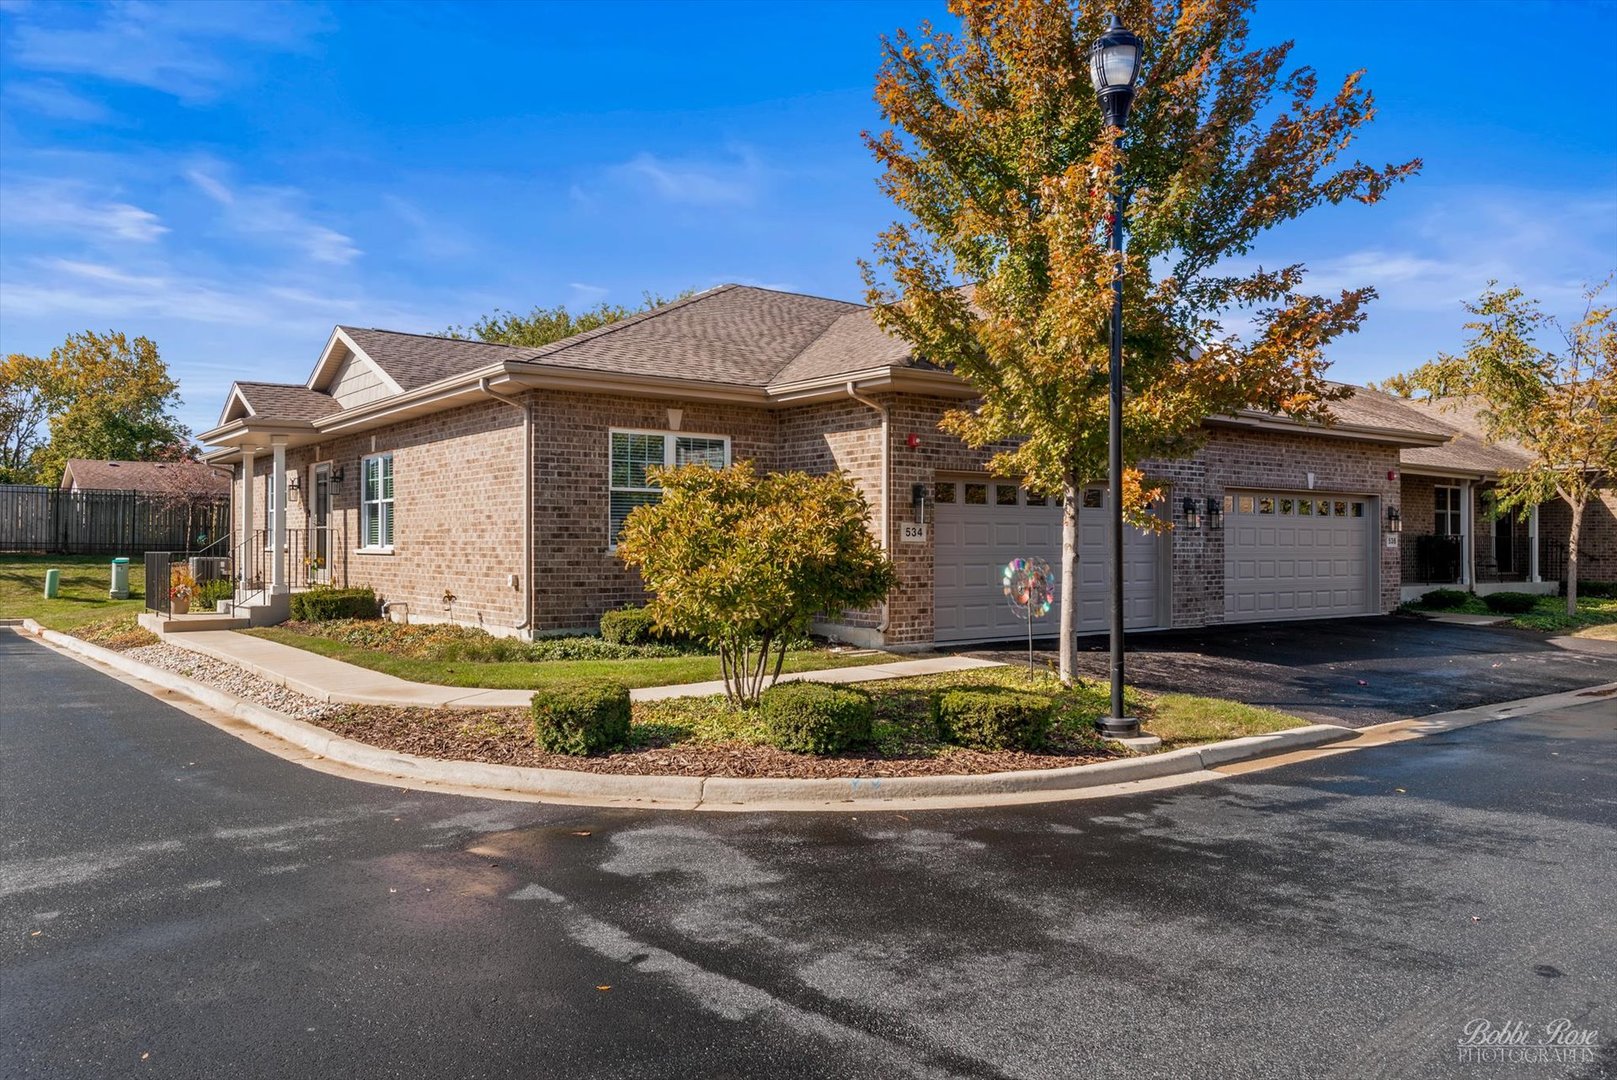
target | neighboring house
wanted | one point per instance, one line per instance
(432, 468)
(1454, 536)
(184, 479)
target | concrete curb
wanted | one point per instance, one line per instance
(714, 793)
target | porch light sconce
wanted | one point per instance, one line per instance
(1215, 514)
(1395, 521)
(293, 487)
(1193, 513)
(336, 474)
(918, 502)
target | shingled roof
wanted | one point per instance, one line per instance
(285, 401)
(414, 360)
(1471, 449)
(159, 477)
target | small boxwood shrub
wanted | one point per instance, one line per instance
(1510, 603)
(581, 717)
(815, 718)
(319, 605)
(209, 593)
(992, 718)
(629, 626)
(1444, 598)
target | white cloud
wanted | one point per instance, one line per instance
(271, 213)
(67, 207)
(736, 182)
(187, 50)
(585, 295)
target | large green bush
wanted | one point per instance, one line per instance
(1510, 603)
(993, 718)
(1593, 590)
(1442, 599)
(319, 605)
(629, 626)
(815, 718)
(581, 717)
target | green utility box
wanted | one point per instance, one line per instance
(120, 579)
(53, 581)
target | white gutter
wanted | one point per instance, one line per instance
(528, 582)
(886, 484)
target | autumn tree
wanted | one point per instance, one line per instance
(99, 396)
(1000, 160)
(543, 325)
(743, 561)
(1558, 403)
(24, 406)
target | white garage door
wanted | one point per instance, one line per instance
(979, 526)
(1296, 556)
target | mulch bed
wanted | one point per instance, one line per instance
(500, 737)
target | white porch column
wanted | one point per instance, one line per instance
(278, 525)
(1532, 544)
(1468, 547)
(247, 455)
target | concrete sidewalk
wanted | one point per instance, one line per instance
(325, 679)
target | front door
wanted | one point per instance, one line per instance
(1502, 546)
(320, 548)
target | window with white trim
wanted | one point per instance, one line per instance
(1446, 505)
(376, 502)
(633, 452)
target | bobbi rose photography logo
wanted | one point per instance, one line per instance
(1514, 1042)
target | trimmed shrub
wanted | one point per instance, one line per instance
(209, 593)
(1593, 590)
(319, 605)
(1510, 603)
(581, 717)
(629, 626)
(1444, 598)
(992, 718)
(816, 718)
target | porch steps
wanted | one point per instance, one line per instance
(202, 620)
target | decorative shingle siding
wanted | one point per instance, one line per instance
(358, 382)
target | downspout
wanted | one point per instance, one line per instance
(528, 582)
(886, 485)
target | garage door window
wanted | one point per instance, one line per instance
(943, 493)
(976, 494)
(1004, 495)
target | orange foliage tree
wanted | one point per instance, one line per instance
(1000, 161)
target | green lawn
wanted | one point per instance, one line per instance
(528, 675)
(82, 597)
(1548, 614)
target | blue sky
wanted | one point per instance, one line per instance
(233, 179)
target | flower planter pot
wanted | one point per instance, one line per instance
(180, 606)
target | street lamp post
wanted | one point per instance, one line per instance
(1114, 67)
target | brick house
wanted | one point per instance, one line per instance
(433, 468)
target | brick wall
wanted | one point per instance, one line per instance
(457, 479)
(578, 576)
(1597, 540)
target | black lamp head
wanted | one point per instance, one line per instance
(1114, 69)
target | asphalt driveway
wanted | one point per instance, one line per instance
(1347, 671)
(179, 904)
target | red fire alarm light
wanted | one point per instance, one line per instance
(912, 440)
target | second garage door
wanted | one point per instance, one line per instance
(981, 525)
(1290, 555)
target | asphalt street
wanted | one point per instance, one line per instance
(177, 903)
(1346, 671)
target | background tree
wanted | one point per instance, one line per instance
(744, 561)
(999, 157)
(543, 325)
(23, 408)
(1560, 406)
(100, 396)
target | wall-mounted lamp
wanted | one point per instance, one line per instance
(1193, 513)
(1215, 513)
(293, 487)
(336, 474)
(1395, 522)
(918, 502)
